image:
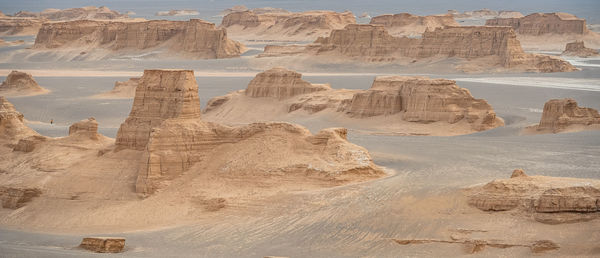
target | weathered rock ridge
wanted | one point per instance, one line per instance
(578, 48)
(20, 84)
(124, 89)
(165, 123)
(278, 25)
(406, 24)
(551, 199)
(543, 23)
(564, 115)
(400, 99)
(12, 126)
(498, 45)
(191, 39)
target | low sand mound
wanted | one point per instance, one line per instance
(564, 115)
(406, 24)
(552, 200)
(394, 104)
(21, 84)
(122, 90)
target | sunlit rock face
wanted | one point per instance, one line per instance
(543, 23)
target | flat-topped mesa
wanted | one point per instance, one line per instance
(424, 100)
(577, 48)
(12, 126)
(160, 95)
(87, 128)
(561, 114)
(195, 38)
(543, 23)
(19, 84)
(281, 83)
(278, 25)
(406, 24)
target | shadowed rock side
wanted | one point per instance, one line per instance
(165, 123)
(484, 46)
(122, 90)
(578, 48)
(563, 115)
(406, 24)
(20, 84)
(187, 39)
(395, 100)
(552, 200)
(12, 127)
(277, 25)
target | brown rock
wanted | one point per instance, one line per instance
(561, 115)
(103, 244)
(406, 24)
(14, 197)
(577, 48)
(19, 84)
(86, 128)
(543, 23)
(29, 144)
(543, 246)
(281, 83)
(518, 173)
(12, 127)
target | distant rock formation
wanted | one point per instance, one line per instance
(563, 115)
(552, 200)
(484, 14)
(189, 39)
(165, 123)
(278, 25)
(186, 12)
(122, 90)
(577, 48)
(103, 244)
(543, 23)
(406, 24)
(12, 126)
(20, 84)
(15, 26)
(234, 9)
(401, 100)
(496, 46)
(4, 43)
(85, 128)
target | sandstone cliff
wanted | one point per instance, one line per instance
(394, 103)
(124, 89)
(551, 199)
(20, 84)
(277, 25)
(543, 23)
(563, 115)
(189, 39)
(406, 24)
(12, 126)
(578, 48)
(485, 46)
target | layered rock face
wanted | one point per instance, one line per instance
(103, 244)
(543, 23)
(278, 25)
(160, 95)
(14, 198)
(195, 37)
(551, 199)
(281, 83)
(12, 127)
(578, 48)
(20, 83)
(561, 114)
(406, 24)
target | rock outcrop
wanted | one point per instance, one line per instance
(85, 128)
(406, 24)
(12, 127)
(20, 84)
(124, 89)
(165, 123)
(484, 14)
(543, 23)
(281, 83)
(564, 115)
(190, 39)
(186, 12)
(15, 197)
(278, 25)
(103, 244)
(14, 26)
(578, 48)
(551, 199)
(498, 46)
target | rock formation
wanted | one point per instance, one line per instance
(278, 25)
(496, 46)
(85, 128)
(563, 115)
(551, 199)
(20, 84)
(406, 24)
(165, 123)
(14, 26)
(4, 43)
(186, 12)
(543, 23)
(103, 244)
(417, 100)
(12, 127)
(14, 198)
(577, 48)
(125, 89)
(484, 14)
(191, 39)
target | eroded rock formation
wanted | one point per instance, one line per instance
(186, 12)
(543, 23)
(281, 83)
(20, 84)
(564, 115)
(12, 127)
(124, 89)
(406, 24)
(278, 25)
(577, 48)
(14, 26)
(484, 14)
(103, 244)
(191, 39)
(85, 128)
(551, 199)
(14, 197)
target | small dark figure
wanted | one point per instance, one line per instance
(51, 121)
